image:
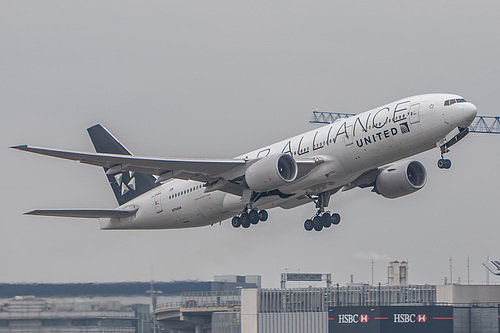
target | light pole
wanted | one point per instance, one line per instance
(153, 303)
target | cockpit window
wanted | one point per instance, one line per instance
(453, 101)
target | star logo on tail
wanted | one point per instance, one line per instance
(130, 185)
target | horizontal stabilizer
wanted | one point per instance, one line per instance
(86, 213)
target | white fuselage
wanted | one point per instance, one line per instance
(348, 147)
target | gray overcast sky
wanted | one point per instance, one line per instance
(217, 79)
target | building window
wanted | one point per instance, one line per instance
(55, 322)
(85, 322)
(117, 323)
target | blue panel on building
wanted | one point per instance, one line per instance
(388, 319)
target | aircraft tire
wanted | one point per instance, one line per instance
(335, 218)
(444, 163)
(245, 220)
(263, 215)
(308, 225)
(326, 220)
(447, 164)
(317, 223)
(236, 222)
(253, 216)
(318, 227)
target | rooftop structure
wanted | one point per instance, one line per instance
(31, 314)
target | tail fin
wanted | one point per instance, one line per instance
(126, 185)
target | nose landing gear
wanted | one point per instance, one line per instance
(444, 163)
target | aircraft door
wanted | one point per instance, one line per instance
(157, 202)
(414, 114)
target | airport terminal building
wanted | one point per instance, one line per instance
(352, 308)
(238, 304)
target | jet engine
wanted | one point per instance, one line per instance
(400, 179)
(271, 172)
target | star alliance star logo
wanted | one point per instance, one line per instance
(121, 183)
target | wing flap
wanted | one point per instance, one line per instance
(85, 213)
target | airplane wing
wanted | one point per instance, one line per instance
(186, 168)
(86, 213)
(204, 170)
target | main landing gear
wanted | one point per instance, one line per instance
(322, 219)
(247, 218)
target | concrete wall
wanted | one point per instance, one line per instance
(293, 322)
(461, 294)
(475, 320)
(249, 310)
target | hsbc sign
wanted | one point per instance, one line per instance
(390, 319)
(405, 318)
(353, 318)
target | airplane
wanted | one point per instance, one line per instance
(368, 150)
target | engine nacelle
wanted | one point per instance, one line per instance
(271, 172)
(400, 179)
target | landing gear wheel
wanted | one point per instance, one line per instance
(335, 218)
(245, 220)
(236, 222)
(263, 215)
(317, 223)
(326, 219)
(253, 216)
(308, 225)
(444, 163)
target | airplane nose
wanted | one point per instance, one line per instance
(470, 111)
